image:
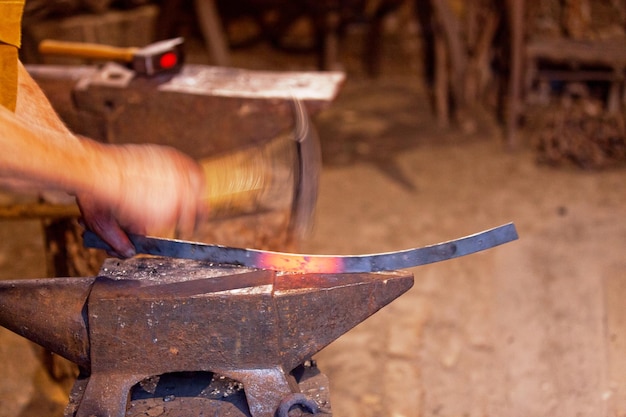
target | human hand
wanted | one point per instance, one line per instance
(145, 189)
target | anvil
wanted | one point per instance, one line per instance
(145, 317)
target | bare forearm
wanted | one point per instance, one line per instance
(139, 188)
(39, 150)
(51, 159)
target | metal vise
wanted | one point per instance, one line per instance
(149, 317)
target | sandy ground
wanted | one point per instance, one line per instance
(533, 328)
(525, 329)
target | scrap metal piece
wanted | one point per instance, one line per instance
(300, 263)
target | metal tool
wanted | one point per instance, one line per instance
(299, 263)
(158, 57)
(252, 125)
(149, 317)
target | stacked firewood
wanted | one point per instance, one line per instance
(579, 132)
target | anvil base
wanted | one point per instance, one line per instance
(197, 394)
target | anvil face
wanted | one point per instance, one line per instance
(162, 313)
(152, 316)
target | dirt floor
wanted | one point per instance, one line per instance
(533, 328)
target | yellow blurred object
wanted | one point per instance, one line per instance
(8, 76)
(10, 38)
(10, 21)
(250, 180)
(87, 50)
(232, 183)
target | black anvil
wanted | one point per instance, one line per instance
(146, 317)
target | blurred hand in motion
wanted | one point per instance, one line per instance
(153, 190)
(146, 189)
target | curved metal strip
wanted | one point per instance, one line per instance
(301, 263)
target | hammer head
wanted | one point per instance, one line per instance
(163, 56)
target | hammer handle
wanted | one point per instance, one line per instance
(87, 50)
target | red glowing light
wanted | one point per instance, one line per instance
(168, 60)
(303, 264)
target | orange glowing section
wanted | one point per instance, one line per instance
(303, 264)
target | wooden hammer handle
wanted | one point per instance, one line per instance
(87, 50)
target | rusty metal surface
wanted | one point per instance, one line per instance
(197, 394)
(146, 317)
(50, 312)
(184, 110)
(254, 327)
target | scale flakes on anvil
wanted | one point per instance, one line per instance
(301, 263)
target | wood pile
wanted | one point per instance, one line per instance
(578, 132)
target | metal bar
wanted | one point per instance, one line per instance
(300, 263)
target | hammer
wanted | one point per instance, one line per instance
(155, 58)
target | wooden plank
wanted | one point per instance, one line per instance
(615, 293)
(611, 53)
(515, 11)
(211, 27)
(38, 211)
(549, 75)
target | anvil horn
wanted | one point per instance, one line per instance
(51, 312)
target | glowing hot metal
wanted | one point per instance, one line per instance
(299, 263)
